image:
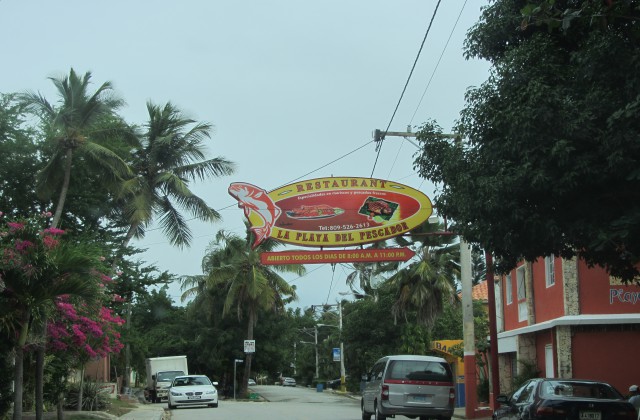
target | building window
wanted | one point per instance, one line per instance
(549, 268)
(509, 289)
(523, 312)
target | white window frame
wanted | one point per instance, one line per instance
(523, 311)
(509, 289)
(549, 270)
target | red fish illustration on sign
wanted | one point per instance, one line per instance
(256, 202)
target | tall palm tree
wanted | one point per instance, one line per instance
(78, 125)
(429, 278)
(82, 123)
(250, 287)
(171, 154)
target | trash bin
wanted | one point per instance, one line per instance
(319, 387)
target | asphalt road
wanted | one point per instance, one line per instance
(279, 403)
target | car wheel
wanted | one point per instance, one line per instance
(171, 407)
(214, 405)
(365, 415)
(379, 415)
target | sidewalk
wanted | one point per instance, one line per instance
(146, 412)
(459, 413)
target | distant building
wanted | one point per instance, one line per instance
(570, 321)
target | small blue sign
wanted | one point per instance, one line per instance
(336, 354)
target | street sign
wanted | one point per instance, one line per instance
(336, 256)
(336, 354)
(249, 346)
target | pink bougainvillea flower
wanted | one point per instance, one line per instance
(50, 242)
(13, 226)
(54, 231)
(23, 245)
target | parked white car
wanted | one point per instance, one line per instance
(288, 382)
(193, 390)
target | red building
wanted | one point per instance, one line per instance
(569, 320)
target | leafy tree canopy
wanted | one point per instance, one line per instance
(550, 157)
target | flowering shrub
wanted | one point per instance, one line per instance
(77, 329)
(38, 265)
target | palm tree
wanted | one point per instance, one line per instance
(366, 277)
(429, 278)
(171, 154)
(80, 124)
(250, 287)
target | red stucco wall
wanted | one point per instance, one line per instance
(598, 296)
(548, 301)
(609, 356)
(511, 310)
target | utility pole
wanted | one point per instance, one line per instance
(343, 384)
(315, 327)
(342, 368)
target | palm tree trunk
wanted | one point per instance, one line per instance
(80, 391)
(127, 346)
(40, 352)
(19, 366)
(65, 189)
(247, 362)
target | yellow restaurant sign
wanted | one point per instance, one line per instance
(332, 212)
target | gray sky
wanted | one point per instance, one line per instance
(290, 85)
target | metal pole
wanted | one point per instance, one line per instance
(493, 333)
(470, 375)
(342, 371)
(235, 363)
(316, 345)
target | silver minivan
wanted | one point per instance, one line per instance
(409, 385)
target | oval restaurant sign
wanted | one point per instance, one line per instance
(332, 212)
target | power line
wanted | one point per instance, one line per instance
(379, 145)
(428, 85)
(438, 63)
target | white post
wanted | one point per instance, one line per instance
(316, 346)
(342, 371)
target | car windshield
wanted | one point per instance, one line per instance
(419, 370)
(190, 381)
(168, 376)
(578, 390)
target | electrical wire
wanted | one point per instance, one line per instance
(379, 145)
(455, 24)
(438, 63)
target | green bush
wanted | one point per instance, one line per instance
(92, 399)
(529, 371)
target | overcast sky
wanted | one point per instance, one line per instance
(294, 88)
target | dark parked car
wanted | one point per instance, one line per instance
(564, 399)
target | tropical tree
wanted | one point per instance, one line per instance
(82, 123)
(171, 154)
(366, 277)
(550, 157)
(428, 279)
(37, 266)
(19, 161)
(249, 286)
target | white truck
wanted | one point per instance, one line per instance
(160, 373)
